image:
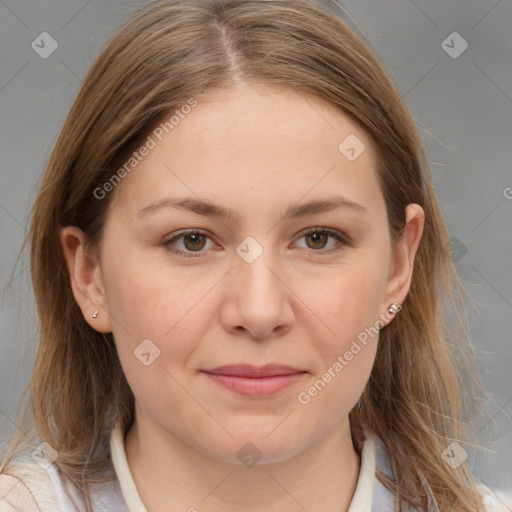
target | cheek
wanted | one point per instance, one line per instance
(350, 301)
(345, 365)
(156, 328)
(346, 338)
(150, 303)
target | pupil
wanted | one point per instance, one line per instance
(195, 239)
(317, 237)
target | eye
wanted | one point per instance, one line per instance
(318, 238)
(194, 241)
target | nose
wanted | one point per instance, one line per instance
(258, 298)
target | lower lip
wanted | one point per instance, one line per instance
(256, 386)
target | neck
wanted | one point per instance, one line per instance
(171, 475)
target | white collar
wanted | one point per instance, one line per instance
(361, 501)
(128, 489)
(363, 495)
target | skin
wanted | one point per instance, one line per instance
(256, 150)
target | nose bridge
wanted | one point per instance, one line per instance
(255, 271)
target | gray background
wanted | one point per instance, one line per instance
(462, 105)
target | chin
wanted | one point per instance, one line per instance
(257, 448)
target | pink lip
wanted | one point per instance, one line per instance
(255, 381)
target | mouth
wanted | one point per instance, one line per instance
(255, 381)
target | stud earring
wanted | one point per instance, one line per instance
(395, 308)
(94, 315)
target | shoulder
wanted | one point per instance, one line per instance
(40, 487)
(26, 486)
(15, 496)
(495, 502)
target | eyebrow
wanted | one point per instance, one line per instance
(208, 209)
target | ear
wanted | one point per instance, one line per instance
(86, 281)
(402, 262)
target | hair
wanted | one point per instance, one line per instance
(166, 54)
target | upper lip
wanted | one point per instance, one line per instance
(247, 370)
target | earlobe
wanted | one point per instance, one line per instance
(402, 265)
(85, 279)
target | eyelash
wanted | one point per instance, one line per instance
(343, 241)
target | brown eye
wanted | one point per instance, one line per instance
(188, 243)
(194, 241)
(318, 239)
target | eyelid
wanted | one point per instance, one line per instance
(330, 231)
(342, 238)
(177, 235)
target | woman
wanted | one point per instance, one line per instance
(239, 264)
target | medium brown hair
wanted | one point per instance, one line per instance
(164, 55)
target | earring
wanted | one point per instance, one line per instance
(94, 315)
(395, 308)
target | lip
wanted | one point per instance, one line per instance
(248, 370)
(251, 380)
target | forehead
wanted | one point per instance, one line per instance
(264, 144)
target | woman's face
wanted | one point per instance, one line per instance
(251, 287)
